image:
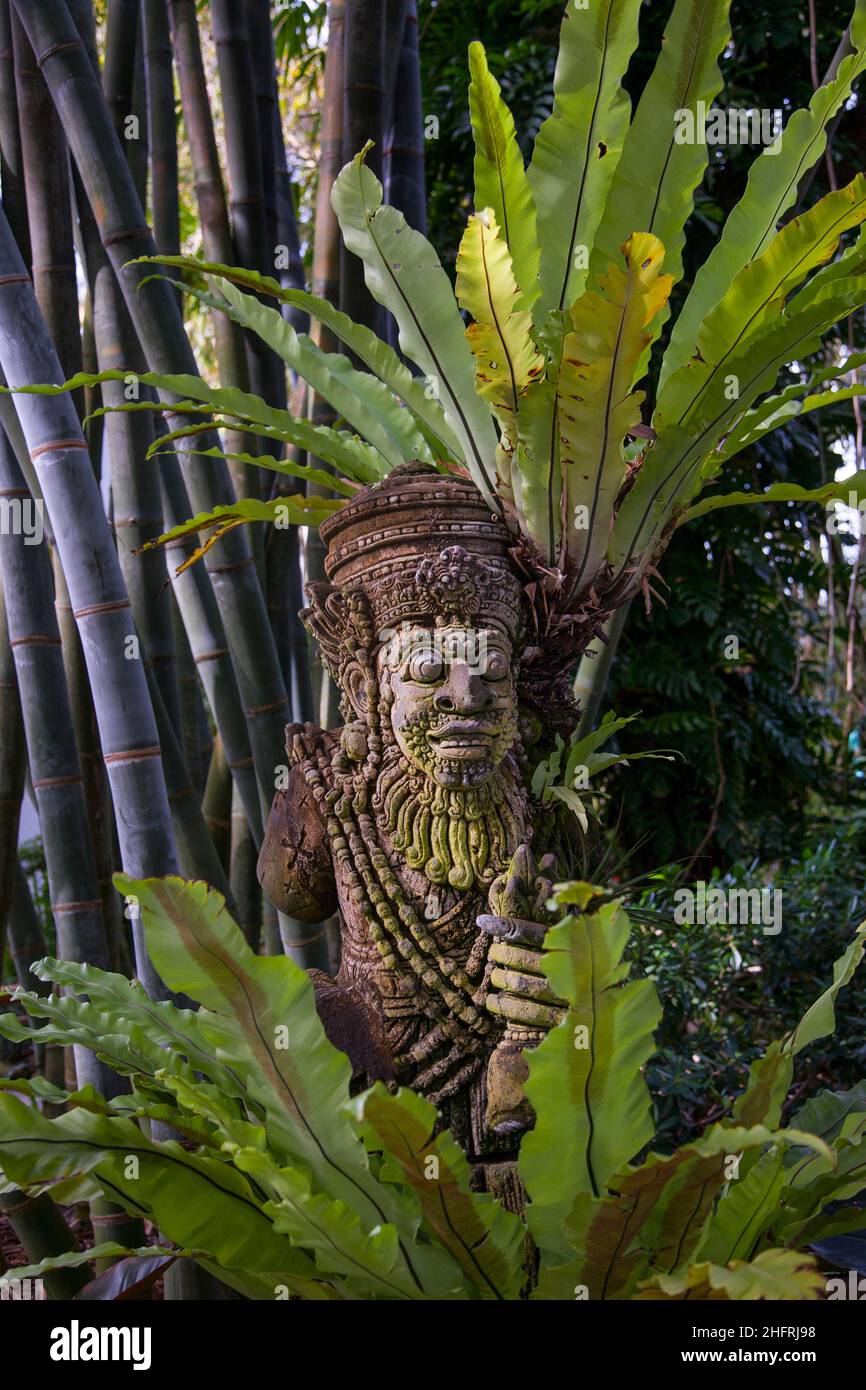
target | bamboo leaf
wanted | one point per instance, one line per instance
(579, 145)
(403, 272)
(500, 178)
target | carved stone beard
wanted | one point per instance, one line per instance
(456, 836)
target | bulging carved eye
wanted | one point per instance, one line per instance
(425, 666)
(496, 667)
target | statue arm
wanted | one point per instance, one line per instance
(295, 866)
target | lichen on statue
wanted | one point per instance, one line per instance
(415, 819)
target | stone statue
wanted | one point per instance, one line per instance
(414, 821)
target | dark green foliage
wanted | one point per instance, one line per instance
(724, 984)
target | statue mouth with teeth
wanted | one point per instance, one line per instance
(415, 820)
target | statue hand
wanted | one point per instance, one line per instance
(521, 992)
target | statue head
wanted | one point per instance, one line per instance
(451, 698)
(421, 626)
(423, 616)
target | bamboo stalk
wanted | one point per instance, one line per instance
(192, 590)
(283, 556)
(161, 126)
(27, 944)
(326, 283)
(213, 213)
(246, 173)
(27, 941)
(194, 729)
(53, 754)
(244, 880)
(363, 120)
(156, 315)
(12, 766)
(11, 162)
(40, 1227)
(101, 605)
(217, 802)
(134, 481)
(49, 217)
(196, 850)
(403, 151)
(202, 624)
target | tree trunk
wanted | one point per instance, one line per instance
(213, 215)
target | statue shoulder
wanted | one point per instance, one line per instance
(295, 867)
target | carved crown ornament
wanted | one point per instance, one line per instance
(422, 547)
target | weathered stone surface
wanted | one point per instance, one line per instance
(415, 818)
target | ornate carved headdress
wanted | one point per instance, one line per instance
(417, 547)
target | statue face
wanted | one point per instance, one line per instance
(453, 702)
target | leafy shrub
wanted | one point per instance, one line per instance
(284, 1185)
(725, 982)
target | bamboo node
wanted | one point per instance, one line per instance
(92, 608)
(132, 755)
(55, 445)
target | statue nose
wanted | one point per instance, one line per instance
(464, 692)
